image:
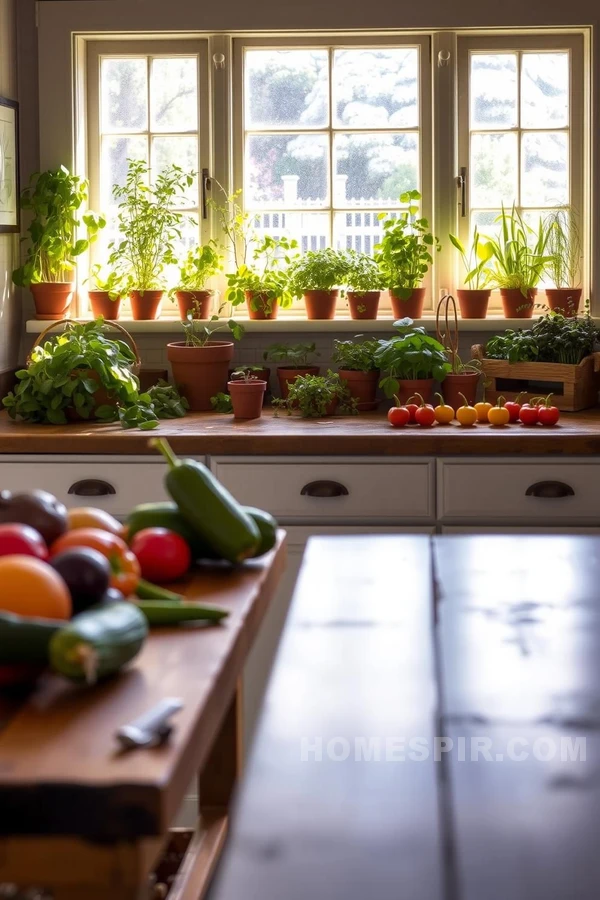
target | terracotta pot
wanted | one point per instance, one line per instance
(466, 384)
(515, 305)
(267, 309)
(411, 307)
(409, 386)
(321, 304)
(286, 374)
(247, 398)
(199, 303)
(564, 300)
(473, 304)
(200, 372)
(52, 299)
(362, 386)
(363, 306)
(103, 306)
(145, 306)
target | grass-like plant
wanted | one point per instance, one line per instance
(520, 252)
(564, 248)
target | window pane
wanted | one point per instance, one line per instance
(174, 94)
(311, 230)
(494, 169)
(545, 90)
(124, 95)
(113, 165)
(493, 90)
(181, 151)
(286, 170)
(376, 88)
(545, 179)
(286, 88)
(374, 169)
(357, 231)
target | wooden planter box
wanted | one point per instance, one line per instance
(573, 387)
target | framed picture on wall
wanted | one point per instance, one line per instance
(9, 166)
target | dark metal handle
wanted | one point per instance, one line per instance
(92, 487)
(324, 489)
(206, 186)
(551, 489)
(461, 181)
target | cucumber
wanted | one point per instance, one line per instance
(147, 591)
(26, 640)
(164, 612)
(98, 642)
(167, 515)
(267, 526)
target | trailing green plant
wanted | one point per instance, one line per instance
(267, 275)
(313, 395)
(475, 260)
(66, 373)
(405, 252)
(167, 401)
(54, 199)
(318, 270)
(564, 248)
(221, 403)
(113, 282)
(362, 273)
(198, 333)
(293, 356)
(149, 224)
(409, 355)
(356, 356)
(520, 253)
(554, 338)
(198, 266)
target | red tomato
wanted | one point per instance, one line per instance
(514, 409)
(398, 416)
(425, 416)
(412, 411)
(163, 555)
(124, 565)
(22, 540)
(529, 415)
(549, 415)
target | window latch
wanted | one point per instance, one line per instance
(206, 186)
(461, 183)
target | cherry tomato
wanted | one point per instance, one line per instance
(412, 411)
(123, 563)
(398, 416)
(482, 409)
(425, 416)
(548, 414)
(529, 415)
(162, 554)
(466, 414)
(22, 540)
(514, 407)
(443, 412)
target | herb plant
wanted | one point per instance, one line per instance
(246, 374)
(515, 346)
(411, 354)
(405, 252)
(198, 333)
(221, 403)
(313, 395)
(318, 270)
(266, 276)
(362, 273)
(291, 356)
(475, 260)
(198, 266)
(357, 357)
(166, 401)
(520, 253)
(554, 339)
(564, 249)
(113, 282)
(54, 199)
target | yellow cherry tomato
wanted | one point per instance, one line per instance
(499, 414)
(482, 409)
(443, 412)
(90, 517)
(466, 414)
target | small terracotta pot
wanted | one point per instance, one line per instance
(199, 303)
(146, 305)
(103, 306)
(287, 375)
(200, 372)
(515, 305)
(52, 299)
(411, 307)
(409, 386)
(466, 384)
(260, 307)
(473, 304)
(321, 304)
(363, 306)
(362, 386)
(247, 398)
(564, 300)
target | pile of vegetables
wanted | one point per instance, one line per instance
(80, 590)
(553, 339)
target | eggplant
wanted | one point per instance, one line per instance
(39, 509)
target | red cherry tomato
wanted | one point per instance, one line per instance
(514, 408)
(163, 555)
(22, 540)
(548, 414)
(528, 414)
(398, 416)
(425, 416)
(412, 411)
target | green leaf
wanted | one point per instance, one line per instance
(56, 417)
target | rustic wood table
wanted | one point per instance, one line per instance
(492, 643)
(89, 822)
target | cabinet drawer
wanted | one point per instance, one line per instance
(520, 492)
(363, 489)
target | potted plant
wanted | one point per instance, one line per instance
(564, 265)
(192, 293)
(363, 281)
(105, 297)
(357, 367)
(404, 256)
(247, 392)
(520, 258)
(413, 360)
(149, 225)
(462, 381)
(295, 358)
(316, 396)
(54, 199)
(317, 277)
(473, 301)
(199, 364)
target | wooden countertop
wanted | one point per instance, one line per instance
(367, 434)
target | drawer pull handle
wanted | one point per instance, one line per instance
(324, 489)
(551, 489)
(92, 487)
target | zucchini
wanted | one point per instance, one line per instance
(26, 640)
(164, 612)
(98, 642)
(167, 515)
(267, 526)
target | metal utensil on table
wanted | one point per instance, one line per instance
(152, 728)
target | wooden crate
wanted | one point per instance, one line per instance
(573, 387)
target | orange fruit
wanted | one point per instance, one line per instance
(90, 517)
(31, 587)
